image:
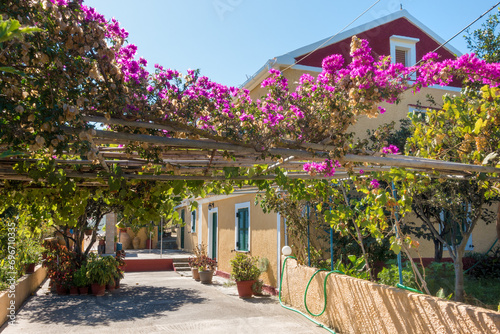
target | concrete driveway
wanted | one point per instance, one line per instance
(158, 302)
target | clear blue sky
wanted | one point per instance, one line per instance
(230, 39)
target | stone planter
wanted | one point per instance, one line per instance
(73, 291)
(206, 276)
(245, 288)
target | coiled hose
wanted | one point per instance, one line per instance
(305, 294)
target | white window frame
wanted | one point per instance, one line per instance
(408, 44)
(193, 221)
(200, 220)
(210, 230)
(236, 208)
(468, 247)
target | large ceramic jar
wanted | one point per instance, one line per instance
(136, 242)
(125, 240)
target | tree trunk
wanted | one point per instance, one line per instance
(438, 250)
(459, 276)
(498, 222)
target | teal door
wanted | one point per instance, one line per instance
(214, 235)
(182, 228)
(243, 225)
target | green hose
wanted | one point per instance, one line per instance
(401, 286)
(324, 290)
(297, 311)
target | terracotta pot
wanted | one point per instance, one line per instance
(195, 273)
(136, 242)
(206, 276)
(245, 288)
(117, 283)
(149, 244)
(124, 238)
(84, 290)
(73, 291)
(98, 290)
(88, 232)
(110, 287)
(30, 268)
(61, 290)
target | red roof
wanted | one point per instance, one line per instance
(379, 41)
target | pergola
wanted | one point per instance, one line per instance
(205, 159)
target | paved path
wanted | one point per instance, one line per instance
(159, 302)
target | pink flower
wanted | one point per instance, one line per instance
(390, 149)
(374, 184)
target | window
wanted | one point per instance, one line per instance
(403, 50)
(193, 221)
(242, 227)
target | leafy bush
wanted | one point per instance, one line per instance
(390, 275)
(355, 267)
(440, 275)
(244, 268)
(102, 269)
(486, 266)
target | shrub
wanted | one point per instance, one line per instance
(244, 268)
(486, 266)
(390, 276)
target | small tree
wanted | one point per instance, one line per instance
(464, 130)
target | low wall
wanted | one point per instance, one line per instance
(26, 285)
(359, 306)
(138, 265)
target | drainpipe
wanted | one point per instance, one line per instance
(397, 236)
(308, 238)
(278, 242)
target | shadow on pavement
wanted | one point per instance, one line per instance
(127, 303)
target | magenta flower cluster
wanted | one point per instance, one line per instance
(364, 83)
(374, 183)
(390, 149)
(326, 168)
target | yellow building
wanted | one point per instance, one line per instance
(233, 223)
(229, 224)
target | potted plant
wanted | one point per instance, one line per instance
(206, 267)
(120, 262)
(99, 273)
(245, 272)
(193, 263)
(81, 281)
(31, 255)
(61, 265)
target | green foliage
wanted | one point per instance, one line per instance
(440, 276)
(11, 29)
(80, 278)
(101, 269)
(390, 276)
(486, 266)
(485, 42)
(244, 268)
(355, 267)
